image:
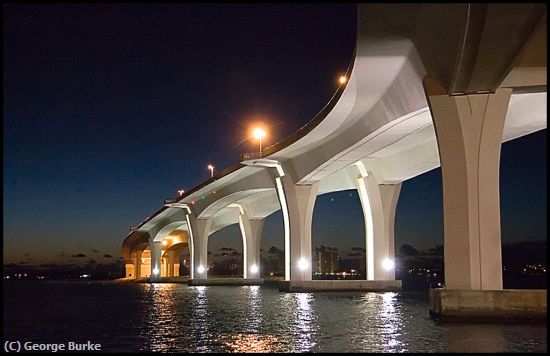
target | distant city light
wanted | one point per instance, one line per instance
(343, 79)
(200, 269)
(302, 264)
(388, 264)
(253, 269)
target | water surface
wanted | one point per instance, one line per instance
(179, 318)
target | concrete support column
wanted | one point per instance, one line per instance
(156, 255)
(137, 264)
(129, 267)
(389, 193)
(469, 134)
(251, 231)
(379, 203)
(297, 203)
(199, 229)
(170, 264)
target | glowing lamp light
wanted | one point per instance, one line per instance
(388, 264)
(164, 242)
(258, 133)
(211, 168)
(302, 264)
(343, 79)
(253, 269)
(180, 192)
(155, 271)
(200, 269)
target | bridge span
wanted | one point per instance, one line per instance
(429, 85)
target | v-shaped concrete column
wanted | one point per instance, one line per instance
(169, 264)
(199, 230)
(156, 255)
(251, 231)
(137, 264)
(379, 203)
(297, 203)
(469, 134)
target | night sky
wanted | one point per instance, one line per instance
(109, 109)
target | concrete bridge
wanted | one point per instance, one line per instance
(429, 85)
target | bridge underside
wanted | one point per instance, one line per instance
(416, 99)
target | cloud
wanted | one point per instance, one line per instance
(79, 255)
(107, 256)
(358, 249)
(226, 249)
(95, 251)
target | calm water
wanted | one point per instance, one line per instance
(175, 317)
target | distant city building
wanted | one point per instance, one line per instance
(275, 262)
(327, 259)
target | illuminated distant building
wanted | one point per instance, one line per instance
(328, 259)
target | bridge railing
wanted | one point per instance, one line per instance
(250, 155)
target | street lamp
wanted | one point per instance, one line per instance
(258, 133)
(180, 192)
(211, 168)
(343, 79)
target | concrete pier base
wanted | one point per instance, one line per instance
(339, 286)
(488, 305)
(226, 282)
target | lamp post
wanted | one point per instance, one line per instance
(211, 168)
(258, 134)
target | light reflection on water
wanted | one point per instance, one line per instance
(178, 318)
(304, 326)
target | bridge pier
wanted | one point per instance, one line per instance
(378, 203)
(156, 256)
(297, 203)
(169, 256)
(251, 230)
(199, 230)
(137, 264)
(469, 131)
(469, 134)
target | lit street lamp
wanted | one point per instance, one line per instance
(258, 134)
(211, 168)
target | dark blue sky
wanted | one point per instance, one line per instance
(110, 108)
